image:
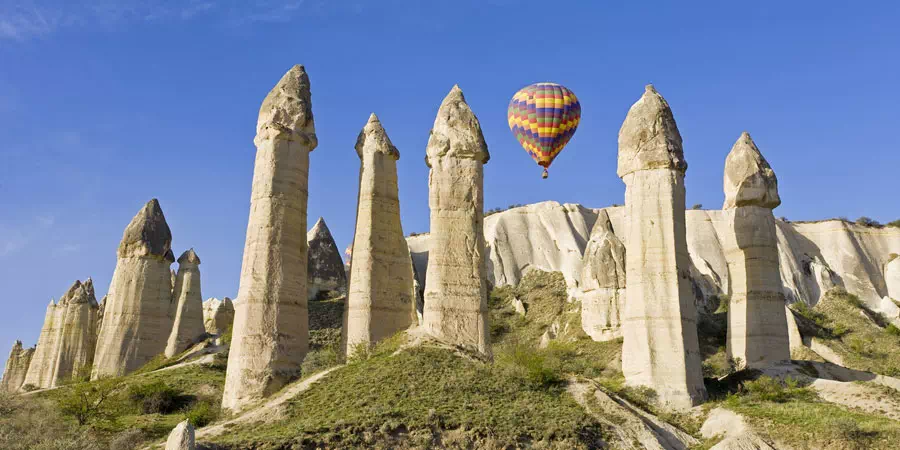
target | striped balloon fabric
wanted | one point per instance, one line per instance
(543, 117)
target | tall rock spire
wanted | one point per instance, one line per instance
(603, 282)
(77, 339)
(271, 329)
(44, 358)
(137, 311)
(325, 268)
(660, 347)
(381, 299)
(456, 281)
(188, 326)
(757, 322)
(16, 368)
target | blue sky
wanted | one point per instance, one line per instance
(105, 104)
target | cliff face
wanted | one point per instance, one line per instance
(814, 256)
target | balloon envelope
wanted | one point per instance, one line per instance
(543, 117)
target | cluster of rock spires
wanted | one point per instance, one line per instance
(641, 284)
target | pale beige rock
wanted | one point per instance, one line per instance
(16, 368)
(325, 269)
(100, 317)
(137, 313)
(734, 431)
(603, 282)
(181, 437)
(44, 358)
(892, 278)
(659, 327)
(382, 298)
(218, 315)
(78, 336)
(188, 327)
(271, 324)
(519, 306)
(757, 325)
(795, 339)
(456, 285)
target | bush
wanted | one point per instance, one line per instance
(129, 439)
(868, 222)
(697, 206)
(202, 413)
(89, 402)
(892, 329)
(894, 223)
(29, 388)
(531, 366)
(155, 398)
(225, 337)
(768, 389)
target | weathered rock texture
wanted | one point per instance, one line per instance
(218, 315)
(456, 282)
(603, 282)
(45, 352)
(188, 327)
(892, 277)
(757, 325)
(137, 313)
(181, 437)
(382, 297)
(659, 327)
(325, 268)
(77, 340)
(16, 367)
(271, 329)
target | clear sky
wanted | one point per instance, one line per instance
(105, 104)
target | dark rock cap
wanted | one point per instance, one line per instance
(148, 234)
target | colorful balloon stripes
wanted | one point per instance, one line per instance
(543, 117)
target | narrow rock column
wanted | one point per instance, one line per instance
(137, 312)
(44, 358)
(188, 327)
(381, 299)
(16, 368)
(271, 324)
(660, 348)
(757, 325)
(603, 282)
(455, 308)
(77, 341)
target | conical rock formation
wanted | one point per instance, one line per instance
(381, 300)
(137, 313)
(757, 325)
(43, 361)
(78, 336)
(271, 324)
(181, 437)
(16, 368)
(603, 282)
(218, 315)
(456, 286)
(325, 268)
(660, 347)
(188, 327)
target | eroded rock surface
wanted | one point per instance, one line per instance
(77, 340)
(188, 326)
(271, 329)
(603, 282)
(382, 297)
(181, 437)
(137, 312)
(16, 367)
(325, 268)
(218, 315)
(456, 285)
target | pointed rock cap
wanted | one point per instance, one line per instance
(649, 137)
(17, 345)
(148, 234)
(373, 139)
(52, 303)
(456, 132)
(181, 437)
(189, 257)
(84, 293)
(170, 257)
(749, 180)
(286, 113)
(71, 293)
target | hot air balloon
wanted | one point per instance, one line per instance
(543, 117)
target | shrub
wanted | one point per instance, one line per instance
(697, 206)
(849, 430)
(768, 389)
(530, 365)
(868, 222)
(892, 329)
(202, 413)
(225, 337)
(89, 402)
(155, 398)
(129, 439)
(29, 387)
(893, 223)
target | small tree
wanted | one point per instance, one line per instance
(697, 206)
(868, 222)
(88, 402)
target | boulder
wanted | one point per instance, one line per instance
(603, 282)
(137, 313)
(659, 325)
(325, 269)
(382, 297)
(456, 285)
(188, 327)
(181, 437)
(271, 322)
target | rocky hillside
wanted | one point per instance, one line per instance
(814, 256)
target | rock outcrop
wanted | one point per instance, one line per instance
(603, 282)
(892, 277)
(188, 326)
(181, 437)
(78, 336)
(45, 352)
(456, 284)
(137, 313)
(382, 298)
(16, 368)
(218, 315)
(271, 329)
(659, 325)
(757, 325)
(325, 268)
